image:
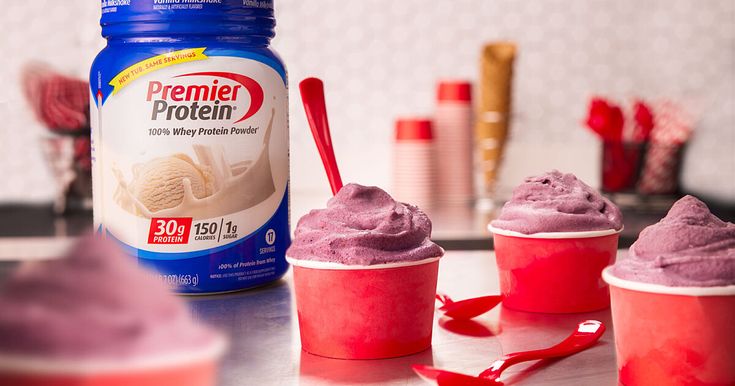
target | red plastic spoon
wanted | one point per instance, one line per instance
(468, 308)
(584, 337)
(312, 96)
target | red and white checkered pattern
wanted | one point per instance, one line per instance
(673, 128)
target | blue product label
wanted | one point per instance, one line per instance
(190, 163)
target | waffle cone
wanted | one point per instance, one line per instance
(494, 106)
(496, 76)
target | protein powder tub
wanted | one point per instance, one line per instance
(190, 140)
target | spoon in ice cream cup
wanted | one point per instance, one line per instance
(468, 308)
(312, 96)
(585, 336)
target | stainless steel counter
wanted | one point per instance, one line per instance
(265, 347)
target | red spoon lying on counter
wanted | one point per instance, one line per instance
(468, 308)
(584, 337)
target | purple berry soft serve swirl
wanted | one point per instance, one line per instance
(557, 202)
(364, 225)
(690, 247)
(94, 304)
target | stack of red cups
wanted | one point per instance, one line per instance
(414, 171)
(453, 145)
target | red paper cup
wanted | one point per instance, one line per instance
(365, 312)
(555, 272)
(673, 335)
(191, 369)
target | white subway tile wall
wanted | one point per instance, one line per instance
(381, 59)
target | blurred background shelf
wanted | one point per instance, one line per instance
(454, 228)
(38, 220)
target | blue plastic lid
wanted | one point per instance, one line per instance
(187, 17)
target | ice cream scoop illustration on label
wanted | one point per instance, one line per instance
(177, 186)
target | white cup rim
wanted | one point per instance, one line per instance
(607, 275)
(26, 364)
(346, 267)
(554, 235)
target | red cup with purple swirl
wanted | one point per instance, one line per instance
(673, 301)
(365, 273)
(94, 318)
(552, 240)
